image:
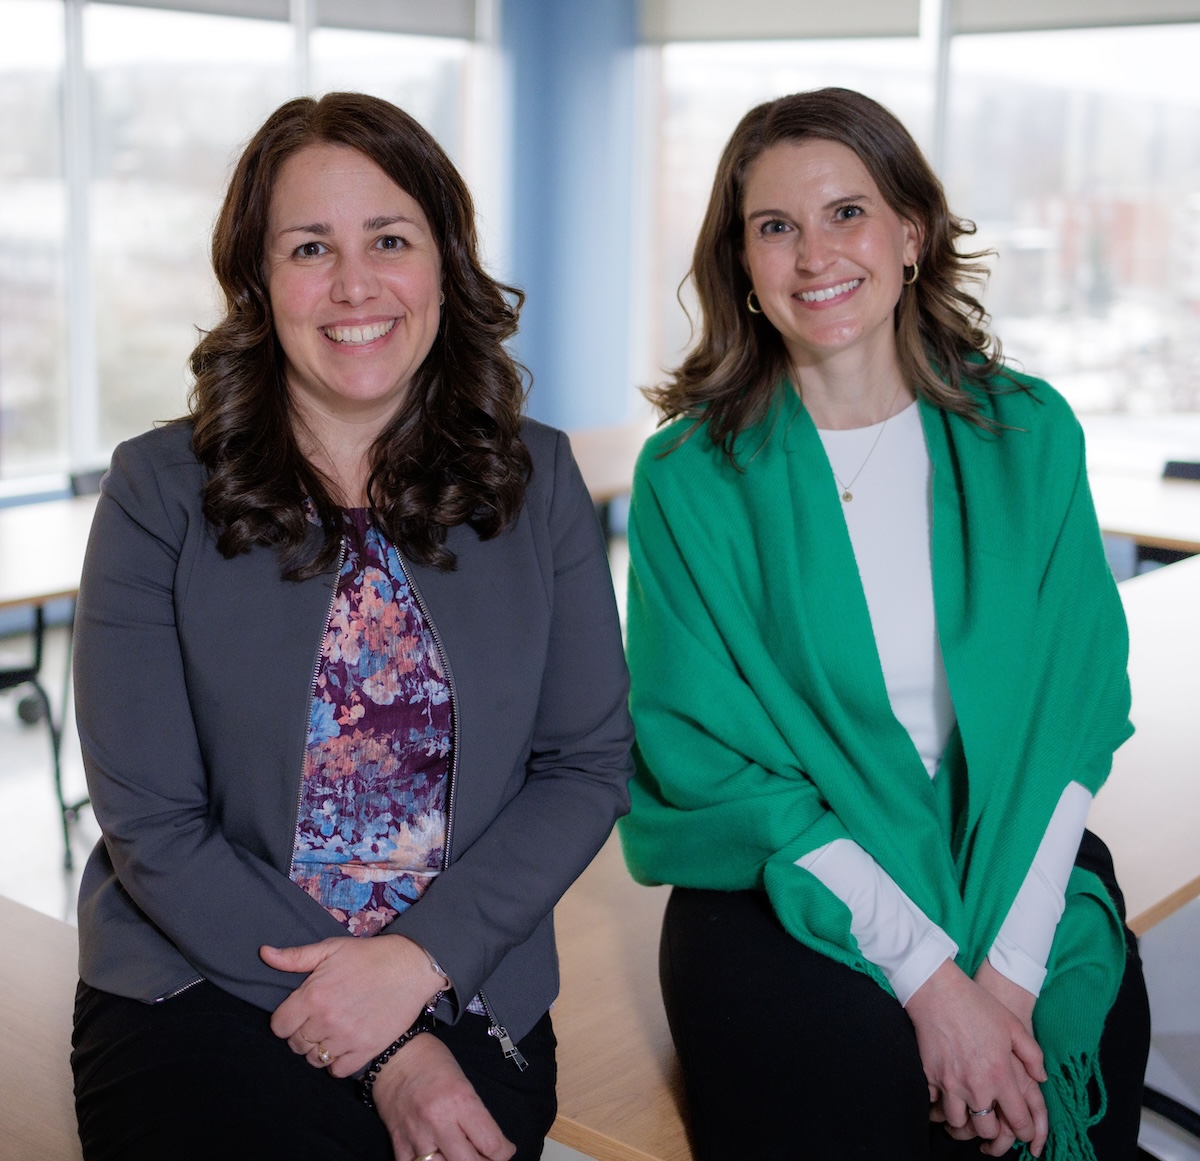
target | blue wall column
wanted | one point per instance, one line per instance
(571, 67)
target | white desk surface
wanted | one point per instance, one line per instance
(1149, 810)
(41, 549)
(1149, 510)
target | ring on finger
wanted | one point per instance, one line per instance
(428, 1156)
(323, 1053)
(982, 1112)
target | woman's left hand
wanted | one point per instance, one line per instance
(1020, 1003)
(426, 1102)
(1014, 997)
(360, 995)
(978, 1055)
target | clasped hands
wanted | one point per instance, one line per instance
(977, 1046)
(359, 996)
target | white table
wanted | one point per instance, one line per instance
(1149, 810)
(1150, 511)
(41, 559)
(41, 550)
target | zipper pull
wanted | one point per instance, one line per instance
(511, 1051)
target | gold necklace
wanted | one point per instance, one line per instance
(848, 495)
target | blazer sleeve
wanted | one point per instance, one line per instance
(215, 901)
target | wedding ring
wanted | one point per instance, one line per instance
(323, 1053)
(981, 1112)
(428, 1156)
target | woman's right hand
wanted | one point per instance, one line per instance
(977, 1054)
(336, 1007)
(427, 1104)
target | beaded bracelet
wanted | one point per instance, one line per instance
(423, 1023)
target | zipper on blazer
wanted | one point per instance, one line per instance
(312, 689)
(495, 1028)
(452, 770)
(179, 991)
(500, 1033)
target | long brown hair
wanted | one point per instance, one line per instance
(451, 455)
(728, 378)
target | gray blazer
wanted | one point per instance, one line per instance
(193, 678)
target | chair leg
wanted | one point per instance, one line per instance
(37, 705)
(55, 731)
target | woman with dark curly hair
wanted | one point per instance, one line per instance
(878, 666)
(347, 665)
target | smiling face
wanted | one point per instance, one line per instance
(354, 279)
(825, 252)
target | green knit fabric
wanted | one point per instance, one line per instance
(763, 721)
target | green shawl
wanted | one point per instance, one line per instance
(763, 722)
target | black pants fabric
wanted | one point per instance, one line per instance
(787, 1055)
(202, 1076)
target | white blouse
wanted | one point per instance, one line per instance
(886, 469)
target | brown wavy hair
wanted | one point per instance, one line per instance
(728, 378)
(452, 453)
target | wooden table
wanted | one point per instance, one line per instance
(606, 457)
(620, 1095)
(1149, 810)
(1150, 511)
(37, 995)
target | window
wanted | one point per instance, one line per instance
(705, 90)
(424, 75)
(33, 365)
(1078, 155)
(169, 97)
(173, 96)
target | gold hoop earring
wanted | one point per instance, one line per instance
(916, 270)
(750, 303)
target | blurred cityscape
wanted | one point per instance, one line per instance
(172, 98)
(1077, 154)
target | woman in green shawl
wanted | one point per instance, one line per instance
(878, 673)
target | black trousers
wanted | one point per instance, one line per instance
(787, 1055)
(203, 1076)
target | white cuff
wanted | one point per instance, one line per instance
(1012, 963)
(1022, 946)
(934, 949)
(891, 930)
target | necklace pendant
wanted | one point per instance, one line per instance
(847, 496)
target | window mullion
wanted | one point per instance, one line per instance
(301, 15)
(83, 393)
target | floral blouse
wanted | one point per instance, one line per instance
(372, 822)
